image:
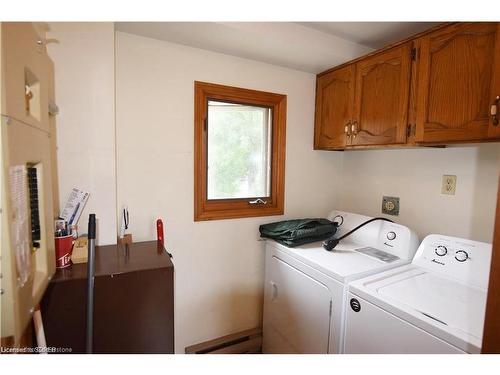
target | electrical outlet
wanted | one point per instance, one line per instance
(449, 184)
(390, 205)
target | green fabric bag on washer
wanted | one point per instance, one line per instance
(298, 232)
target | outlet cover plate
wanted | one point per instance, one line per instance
(449, 184)
(390, 205)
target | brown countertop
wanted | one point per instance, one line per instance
(118, 259)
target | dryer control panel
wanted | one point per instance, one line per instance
(391, 238)
(465, 260)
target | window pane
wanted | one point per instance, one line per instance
(239, 143)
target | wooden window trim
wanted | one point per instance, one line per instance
(205, 209)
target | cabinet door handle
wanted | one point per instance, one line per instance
(347, 129)
(494, 111)
(354, 129)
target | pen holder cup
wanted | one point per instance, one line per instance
(64, 246)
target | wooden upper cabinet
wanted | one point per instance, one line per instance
(334, 107)
(436, 88)
(458, 80)
(381, 98)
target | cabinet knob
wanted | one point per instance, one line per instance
(494, 111)
(347, 129)
(354, 129)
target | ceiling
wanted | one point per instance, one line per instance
(306, 46)
(371, 34)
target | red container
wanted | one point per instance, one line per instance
(159, 231)
(64, 246)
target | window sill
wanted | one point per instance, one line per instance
(238, 213)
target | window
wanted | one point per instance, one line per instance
(239, 149)
(239, 152)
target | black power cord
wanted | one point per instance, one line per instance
(330, 243)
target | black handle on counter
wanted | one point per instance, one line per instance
(91, 231)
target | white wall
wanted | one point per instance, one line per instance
(415, 176)
(84, 79)
(219, 264)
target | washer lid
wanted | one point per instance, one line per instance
(449, 302)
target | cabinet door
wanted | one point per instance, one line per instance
(456, 85)
(494, 126)
(382, 95)
(334, 101)
(25, 63)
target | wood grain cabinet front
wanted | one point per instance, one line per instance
(334, 108)
(458, 82)
(381, 99)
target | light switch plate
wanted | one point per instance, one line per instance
(449, 184)
(390, 205)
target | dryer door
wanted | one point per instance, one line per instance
(297, 311)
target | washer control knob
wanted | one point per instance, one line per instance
(461, 255)
(441, 251)
(391, 235)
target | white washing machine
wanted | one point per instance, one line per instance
(305, 287)
(434, 305)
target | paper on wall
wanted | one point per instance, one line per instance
(74, 206)
(20, 223)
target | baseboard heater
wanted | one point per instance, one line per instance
(244, 342)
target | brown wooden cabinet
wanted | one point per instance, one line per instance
(436, 88)
(456, 84)
(381, 99)
(133, 302)
(334, 108)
